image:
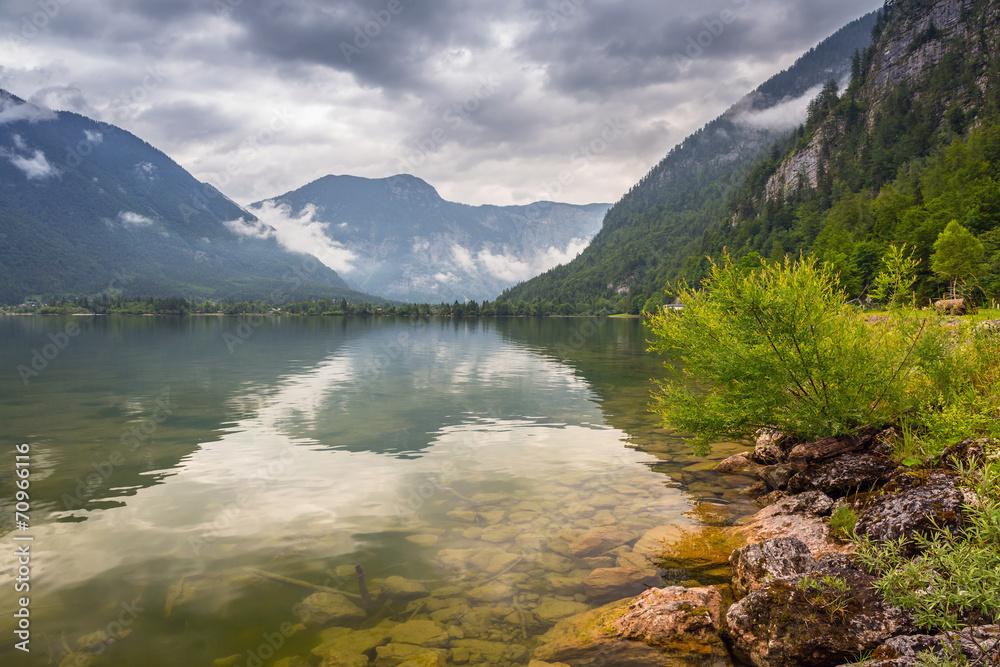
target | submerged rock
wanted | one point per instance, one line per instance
(394, 655)
(421, 633)
(592, 638)
(599, 541)
(756, 564)
(617, 582)
(322, 609)
(398, 588)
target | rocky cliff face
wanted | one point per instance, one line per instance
(916, 37)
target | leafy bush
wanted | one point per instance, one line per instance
(780, 348)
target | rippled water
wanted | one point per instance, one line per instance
(194, 481)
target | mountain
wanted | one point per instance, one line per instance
(397, 237)
(649, 235)
(911, 145)
(88, 208)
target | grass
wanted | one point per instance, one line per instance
(842, 522)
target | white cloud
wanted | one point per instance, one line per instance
(12, 112)
(511, 268)
(785, 115)
(130, 219)
(463, 258)
(93, 137)
(303, 234)
(35, 166)
(19, 142)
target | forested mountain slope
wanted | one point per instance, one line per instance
(88, 208)
(650, 232)
(910, 146)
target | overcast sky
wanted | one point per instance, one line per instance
(489, 101)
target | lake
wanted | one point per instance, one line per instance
(194, 480)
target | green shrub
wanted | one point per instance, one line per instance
(842, 522)
(779, 347)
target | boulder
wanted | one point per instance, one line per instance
(482, 652)
(618, 582)
(550, 610)
(592, 638)
(320, 609)
(350, 644)
(909, 510)
(777, 476)
(969, 452)
(738, 464)
(767, 450)
(847, 474)
(808, 620)
(756, 564)
(979, 643)
(781, 520)
(599, 541)
(674, 618)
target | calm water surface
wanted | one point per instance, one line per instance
(191, 478)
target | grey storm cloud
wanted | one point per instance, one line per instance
(488, 101)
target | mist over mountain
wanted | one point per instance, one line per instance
(88, 208)
(398, 238)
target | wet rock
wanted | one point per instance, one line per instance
(914, 510)
(600, 540)
(335, 659)
(539, 663)
(847, 474)
(804, 620)
(631, 559)
(781, 520)
(398, 588)
(738, 464)
(421, 633)
(777, 476)
(551, 610)
(617, 582)
(756, 564)
(322, 609)
(675, 618)
(591, 639)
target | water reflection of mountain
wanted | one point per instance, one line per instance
(128, 399)
(610, 356)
